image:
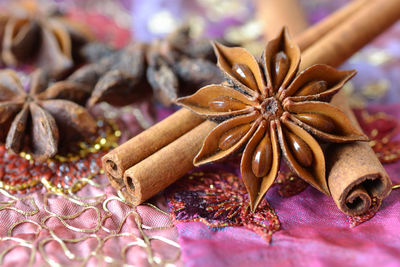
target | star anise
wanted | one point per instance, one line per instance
(267, 109)
(44, 113)
(167, 66)
(29, 34)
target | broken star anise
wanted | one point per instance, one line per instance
(268, 110)
(44, 113)
(29, 34)
(165, 67)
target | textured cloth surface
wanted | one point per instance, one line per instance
(314, 233)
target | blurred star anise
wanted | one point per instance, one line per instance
(166, 67)
(39, 117)
(267, 109)
(38, 35)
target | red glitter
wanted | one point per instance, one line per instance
(381, 128)
(20, 175)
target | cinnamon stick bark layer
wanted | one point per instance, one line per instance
(276, 14)
(355, 175)
(116, 162)
(164, 167)
(312, 34)
(349, 37)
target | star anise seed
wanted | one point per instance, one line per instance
(270, 109)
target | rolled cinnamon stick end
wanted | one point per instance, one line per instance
(355, 175)
(154, 174)
(117, 161)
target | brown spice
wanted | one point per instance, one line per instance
(379, 15)
(47, 112)
(273, 16)
(355, 175)
(312, 34)
(268, 109)
(29, 33)
(167, 68)
(146, 143)
(357, 180)
(367, 27)
(177, 154)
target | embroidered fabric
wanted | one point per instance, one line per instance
(219, 200)
(90, 228)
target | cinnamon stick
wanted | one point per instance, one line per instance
(116, 162)
(312, 34)
(355, 175)
(157, 171)
(276, 14)
(164, 167)
(349, 37)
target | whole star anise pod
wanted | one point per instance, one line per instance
(43, 114)
(29, 34)
(117, 78)
(268, 110)
(165, 67)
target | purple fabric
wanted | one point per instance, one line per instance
(314, 233)
(317, 236)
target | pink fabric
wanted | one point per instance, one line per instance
(314, 233)
(103, 222)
